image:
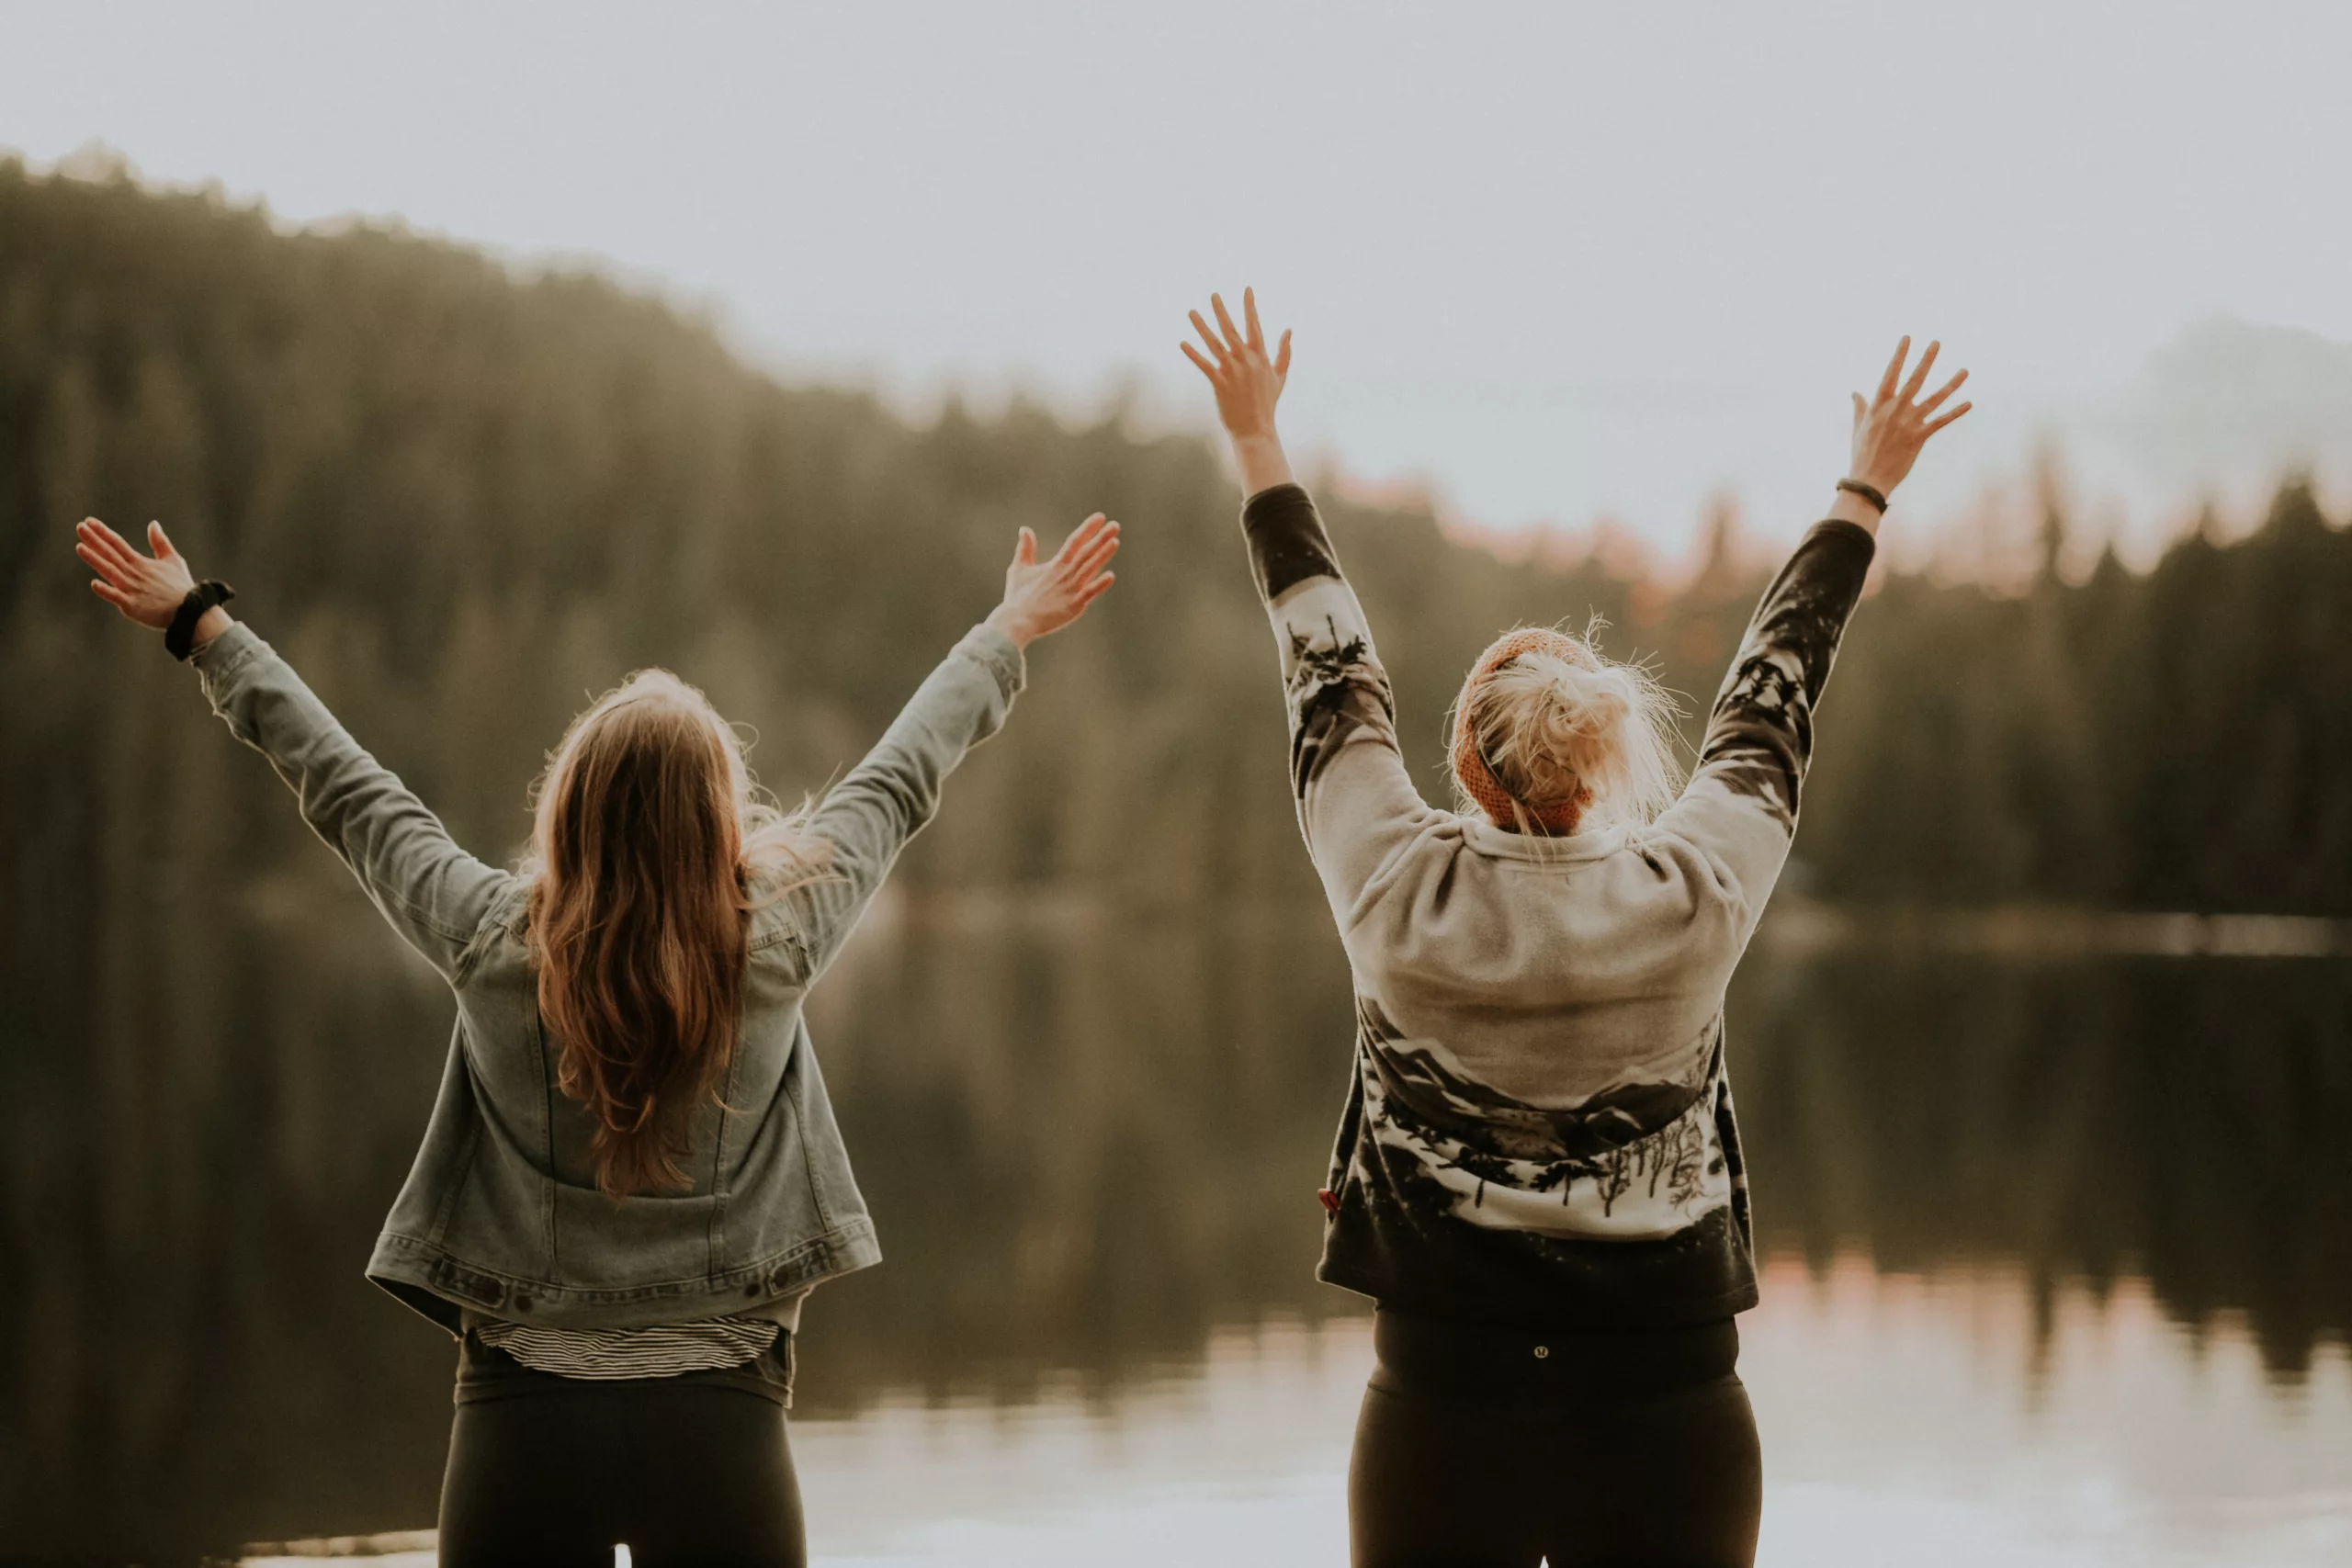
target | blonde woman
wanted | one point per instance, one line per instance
(1537, 1176)
(632, 1178)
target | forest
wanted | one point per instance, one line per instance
(462, 498)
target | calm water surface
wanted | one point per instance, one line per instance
(2061, 1252)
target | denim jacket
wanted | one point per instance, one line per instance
(501, 1212)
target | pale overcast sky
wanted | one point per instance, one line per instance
(1562, 260)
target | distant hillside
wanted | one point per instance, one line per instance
(2216, 416)
(462, 499)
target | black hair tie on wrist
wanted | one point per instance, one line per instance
(179, 637)
(1870, 493)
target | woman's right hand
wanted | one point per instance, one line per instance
(1890, 429)
(1042, 597)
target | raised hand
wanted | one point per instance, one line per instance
(1891, 428)
(1042, 597)
(1247, 382)
(146, 589)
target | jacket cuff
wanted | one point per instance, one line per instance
(996, 653)
(1290, 492)
(1846, 534)
(220, 662)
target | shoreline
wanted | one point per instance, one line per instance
(1791, 926)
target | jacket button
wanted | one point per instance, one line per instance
(522, 1304)
(752, 1289)
(1541, 1351)
(780, 1281)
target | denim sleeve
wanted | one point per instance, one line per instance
(434, 894)
(865, 819)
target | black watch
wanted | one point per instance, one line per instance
(179, 637)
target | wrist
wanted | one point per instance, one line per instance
(1883, 482)
(210, 625)
(1016, 631)
(199, 607)
(1262, 462)
(1851, 508)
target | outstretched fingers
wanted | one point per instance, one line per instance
(1894, 369)
(116, 567)
(1081, 538)
(1208, 335)
(1229, 342)
(1942, 419)
(1090, 544)
(1919, 372)
(1081, 585)
(106, 542)
(1106, 545)
(1936, 400)
(1083, 564)
(1232, 339)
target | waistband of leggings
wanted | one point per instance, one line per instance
(1452, 1358)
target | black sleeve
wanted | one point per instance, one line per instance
(1759, 734)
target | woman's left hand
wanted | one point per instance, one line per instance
(1891, 428)
(146, 589)
(1042, 597)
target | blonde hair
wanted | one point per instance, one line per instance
(1550, 736)
(649, 837)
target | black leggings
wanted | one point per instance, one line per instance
(692, 1470)
(1484, 1447)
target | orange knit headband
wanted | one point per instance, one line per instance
(1557, 818)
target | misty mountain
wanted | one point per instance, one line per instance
(2218, 414)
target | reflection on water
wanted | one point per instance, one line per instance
(2181, 1121)
(1901, 1425)
(1971, 1418)
(1901, 1420)
(2064, 1250)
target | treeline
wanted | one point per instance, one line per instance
(463, 499)
(2177, 740)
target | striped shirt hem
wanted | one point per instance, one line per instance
(663, 1350)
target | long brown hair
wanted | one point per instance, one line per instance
(648, 836)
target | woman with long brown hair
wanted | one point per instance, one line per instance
(632, 1178)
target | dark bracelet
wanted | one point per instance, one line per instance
(179, 637)
(1870, 493)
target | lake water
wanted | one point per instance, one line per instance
(2060, 1250)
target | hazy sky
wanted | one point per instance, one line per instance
(1562, 260)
